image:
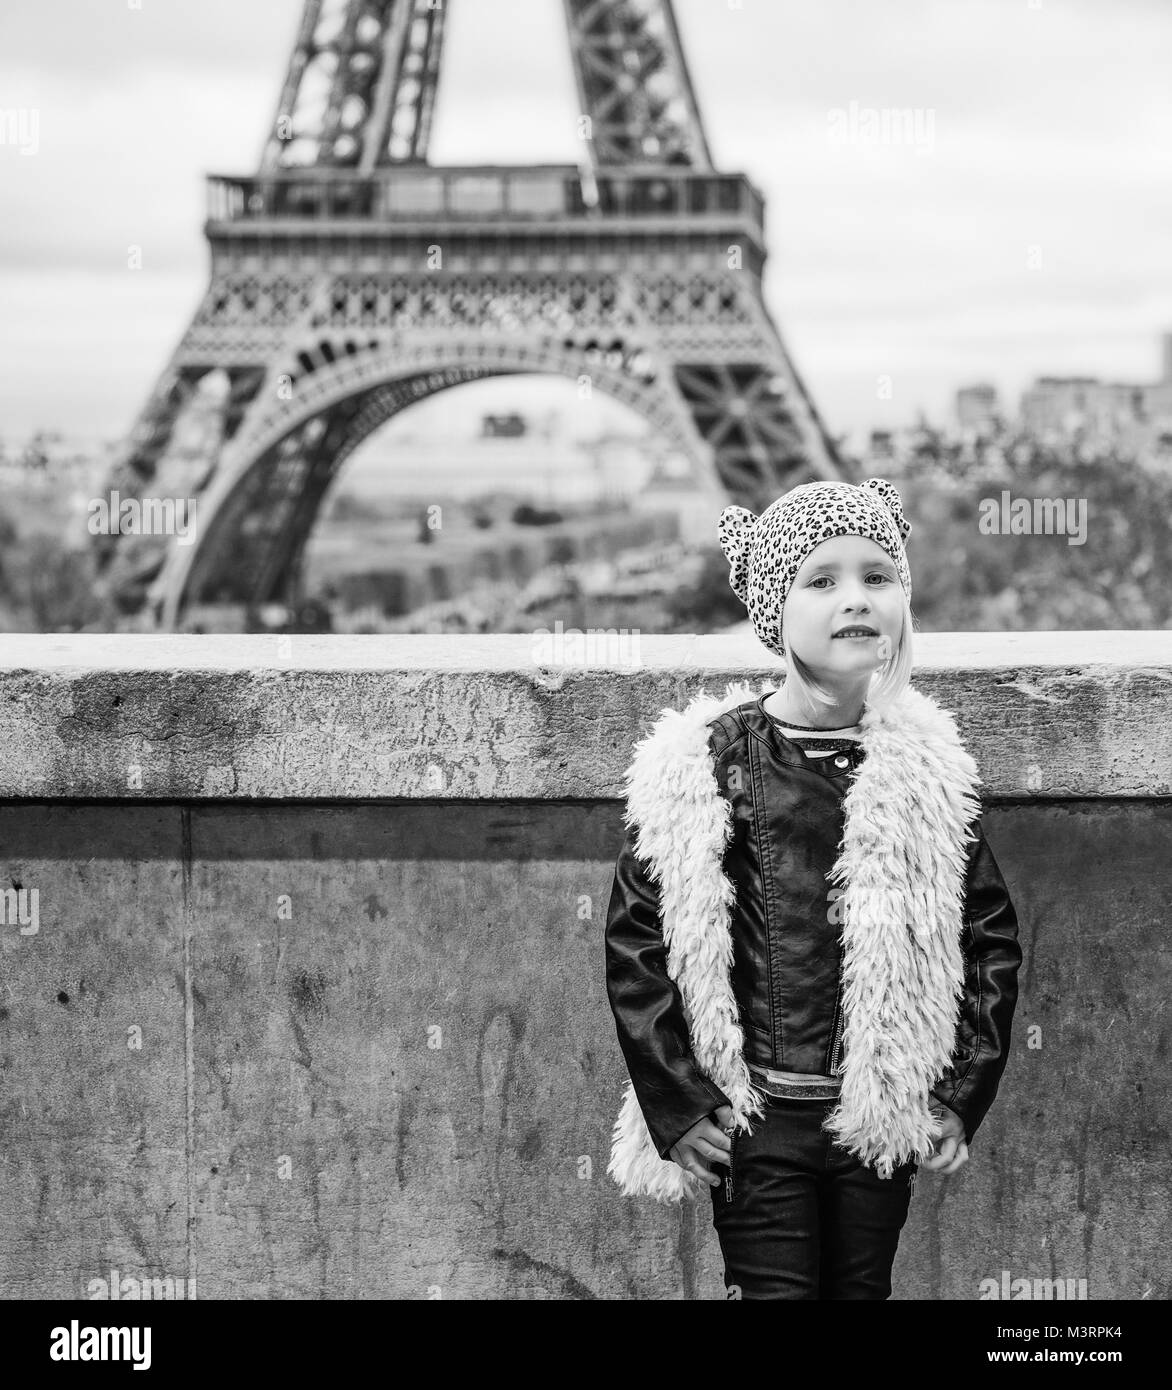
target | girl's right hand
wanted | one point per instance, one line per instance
(705, 1143)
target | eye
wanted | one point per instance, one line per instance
(876, 574)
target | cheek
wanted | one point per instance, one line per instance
(799, 615)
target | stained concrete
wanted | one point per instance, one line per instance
(288, 1121)
(324, 718)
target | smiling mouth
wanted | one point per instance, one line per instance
(857, 636)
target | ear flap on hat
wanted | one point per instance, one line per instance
(736, 529)
(887, 494)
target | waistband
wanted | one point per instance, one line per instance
(792, 1085)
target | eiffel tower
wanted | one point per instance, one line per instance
(351, 278)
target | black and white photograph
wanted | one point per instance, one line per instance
(585, 664)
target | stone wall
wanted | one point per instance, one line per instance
(312, 1001)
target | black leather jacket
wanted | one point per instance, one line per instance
(787, 956)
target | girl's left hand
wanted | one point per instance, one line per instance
(952, 1153)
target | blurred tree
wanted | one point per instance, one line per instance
(56, 590)
(708, 604)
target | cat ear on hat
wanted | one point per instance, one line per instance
(735, 530)
(890, 498)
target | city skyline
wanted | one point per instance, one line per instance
(976, 242)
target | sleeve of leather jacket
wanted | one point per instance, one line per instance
(992, 956)
(648, 1010)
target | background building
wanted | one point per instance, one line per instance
(1129, 411)
(976, 408)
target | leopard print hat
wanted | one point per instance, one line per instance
(765, 552)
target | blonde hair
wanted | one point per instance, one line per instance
(888, 683)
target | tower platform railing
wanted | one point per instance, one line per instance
(414, 193)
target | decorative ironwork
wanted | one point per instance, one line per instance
(350, 278)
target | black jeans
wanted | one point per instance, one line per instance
(806, 1218)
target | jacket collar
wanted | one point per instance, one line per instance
(900, 865)
(763, 727)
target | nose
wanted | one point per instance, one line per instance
(856, 607)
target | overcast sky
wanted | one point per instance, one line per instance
(1044, 124)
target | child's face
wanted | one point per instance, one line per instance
(844, 581)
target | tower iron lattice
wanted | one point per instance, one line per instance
(351, 278)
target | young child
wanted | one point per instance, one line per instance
(811, 954)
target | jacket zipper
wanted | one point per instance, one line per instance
(836, 1035)
(728, 1181)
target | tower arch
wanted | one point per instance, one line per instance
(256, 516)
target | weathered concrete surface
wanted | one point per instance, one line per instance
(325, 718)
(294, 1125)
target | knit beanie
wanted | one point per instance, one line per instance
(765, 552)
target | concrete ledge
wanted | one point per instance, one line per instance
(357, 1044)
(176, 718)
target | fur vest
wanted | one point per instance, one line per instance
(902, 858)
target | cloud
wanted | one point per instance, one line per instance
(1050, 129)
(103, 45)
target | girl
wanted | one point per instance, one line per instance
(811, 954)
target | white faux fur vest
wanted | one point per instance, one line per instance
(902, 858)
